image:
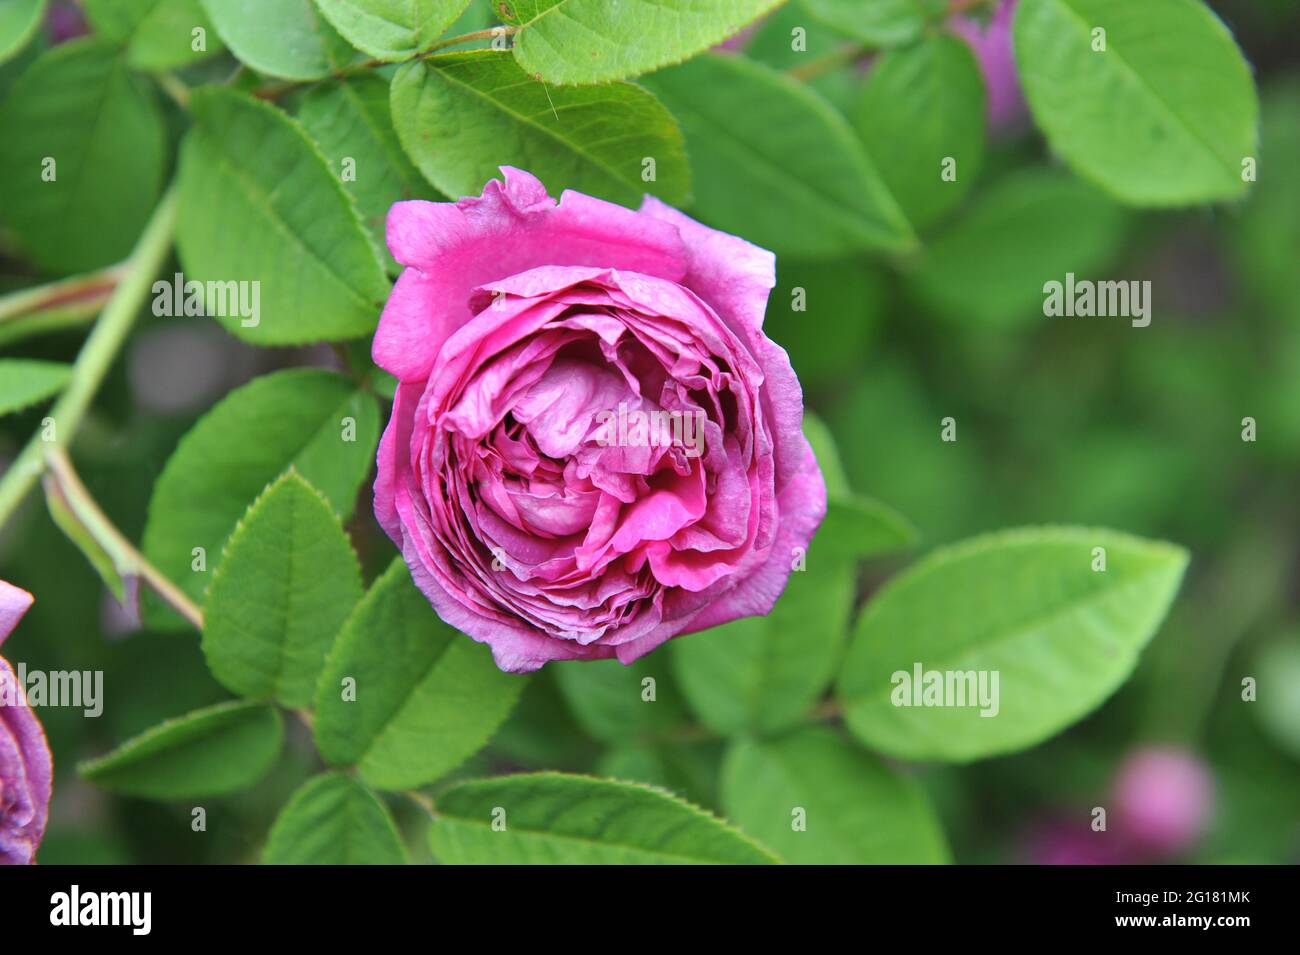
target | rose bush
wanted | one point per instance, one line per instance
(517, 325)
(25, 766)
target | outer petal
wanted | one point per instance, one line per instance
(14, 602)
(26, 770)
(514, 226)
(26, 773)
(735, 277)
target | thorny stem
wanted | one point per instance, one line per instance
(96, 356)
(62, 479)
(275, 92)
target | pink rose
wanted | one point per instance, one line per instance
(593, 445)
(25, 767)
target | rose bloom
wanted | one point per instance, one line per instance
(25, 767)
(522, 332)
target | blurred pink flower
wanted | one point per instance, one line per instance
(1071, 840)
(65, 22)
(1162, 799)
(991, 43)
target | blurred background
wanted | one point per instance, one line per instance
(1084, 421)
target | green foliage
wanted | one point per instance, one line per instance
(1278, 692)
(391, 29)
(257, 200)
(286, 582)
(593, 41)
(1030, 606)
(402, 696)
(350, 120)
(83, 157)
(921, 107)
(987, 268)
(883, 23)
(554, 818)
(1133, 117)
(817, 799)
(210, 752)
(18, 21)
(764, 673)
(462, 115)
(334, 820)
(687, 768)
(826, 315)
(614, 701)
(157, 34)
(751, 132)
(25, 382)
(289, 419)
(284, 38)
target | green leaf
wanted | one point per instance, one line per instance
(828, 457)
(25, 382)
(403, 696)
(350, 120)
(158, 34)
(19, 20)
(880, 23)
(290, 418)
(855, 527)
(1163, 116)
(286, 583)
(391, 29)
(762, 674)
(78, 115)
(334, 820)
(555, 818)
(856, 810)
(687, 769)
(772, 40)
(1024, 607)
(462, 115)
(614, 702)
(281, 38)
(923, 106)
(987, 269)
(210, 752)
(776, 164)
(860, 527)
(258, 203)
(594, 41)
